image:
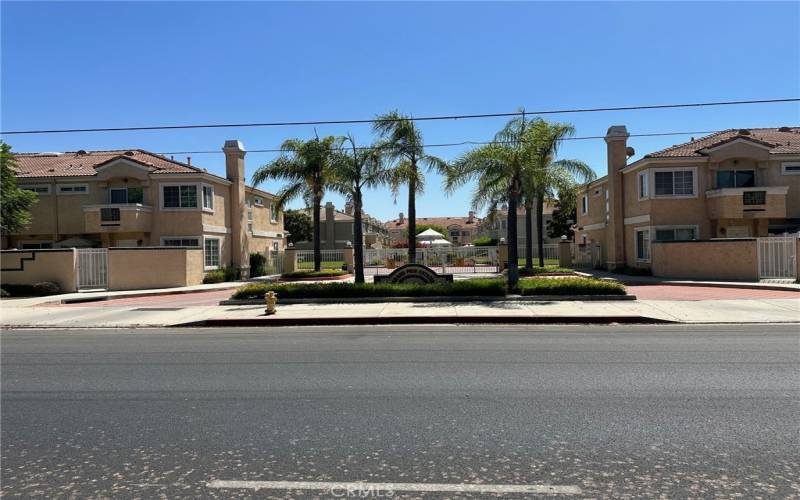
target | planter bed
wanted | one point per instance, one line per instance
(476, 298)
(292, 279)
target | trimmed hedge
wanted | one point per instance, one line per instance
(476, 287)
(35, 290)
(569, 286)
(486, 241)
(524, 271)
(221, 275)
(324, 273)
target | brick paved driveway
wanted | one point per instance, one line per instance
(677, 292)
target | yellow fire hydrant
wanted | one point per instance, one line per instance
(271, 298)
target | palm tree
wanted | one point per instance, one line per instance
(547, 176)
(402, 144)
(354, 170)
(499, 168)
(306, 165)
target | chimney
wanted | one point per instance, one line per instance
(240, 239)
(471, 217)
(617, 148)
(189, 160)
(348, 207)
(401, 219)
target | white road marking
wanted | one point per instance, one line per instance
(418, 487)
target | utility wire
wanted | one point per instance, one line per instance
(422, 118)
(446, 144)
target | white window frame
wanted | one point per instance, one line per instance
(203, 187)
(32, 187)
(219, 252)
(259, 202)
(60, 187)
(198, 191)
(792, 164)
(673, 227)
(643, 185)
(272, 214)
(636, 232)
(165, 238)
(585, 204)
(673, 170)
(276, 247)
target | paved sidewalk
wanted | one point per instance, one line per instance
(654, 280)
(131, 315)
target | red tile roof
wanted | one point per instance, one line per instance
(439, 221)
(85, 163)
(784, 140)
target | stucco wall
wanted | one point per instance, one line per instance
(710, 260)
(26, 267)
(137, 268)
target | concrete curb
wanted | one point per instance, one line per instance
(276, 321)
(638, 281)
(437, 299)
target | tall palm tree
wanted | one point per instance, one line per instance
(548, 175)
(402, 144)
(306, 165)
(499, 169)
(353, 169)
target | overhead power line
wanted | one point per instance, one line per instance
(445, 144)
(421, 118)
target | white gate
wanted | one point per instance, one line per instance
(92, 268)
(777, 257)
(442, 259)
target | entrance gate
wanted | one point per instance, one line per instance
(92, 268)
(777, 257)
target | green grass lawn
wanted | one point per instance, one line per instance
(334, 264)
(547, 262)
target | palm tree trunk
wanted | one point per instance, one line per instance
(539, 227)
(317, 231)
(529, 235)
(358, 237)
(412, 221)
(513, 272)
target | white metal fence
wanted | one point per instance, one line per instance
(550, 251)
(92, 268)
(442, 260)
(777, 257)
(331, 259)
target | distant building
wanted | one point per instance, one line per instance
(497, 226)
(337, 229)
(459, 230)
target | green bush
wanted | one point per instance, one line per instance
(221, 275)
(541, 270)
(486, 241)
(35, 290)
(475, 287)
(324, 273)
(569, 286)
(258, 264)
(3, 293)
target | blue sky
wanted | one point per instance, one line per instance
(148, 63)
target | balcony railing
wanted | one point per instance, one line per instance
(128, 217)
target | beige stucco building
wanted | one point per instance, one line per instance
(337, 229)
(136, 198)
(729, 185)
(496, 226)
(459, 230)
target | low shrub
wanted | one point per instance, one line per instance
(476, 287)
(35, 290)
(221, 275)
(569, 286)
(485, 241)
(324, 273)
(3, 293)
(258, 264)
(533, 271)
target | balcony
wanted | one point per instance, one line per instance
(127, 218)
(764, 202)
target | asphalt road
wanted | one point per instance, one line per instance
(673, 411)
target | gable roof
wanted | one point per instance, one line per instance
(85, 163)
(784, 140)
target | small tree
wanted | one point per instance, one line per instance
(298, 225)
(564, 216)
(15, 203)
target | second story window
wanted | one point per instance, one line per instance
(125, 195)
(644, 187)
(180, 196)
(208, 197)
(584, 205)
(675, 183)
(273, 214)
(735, 178)
(40, 189)
(73, 189)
